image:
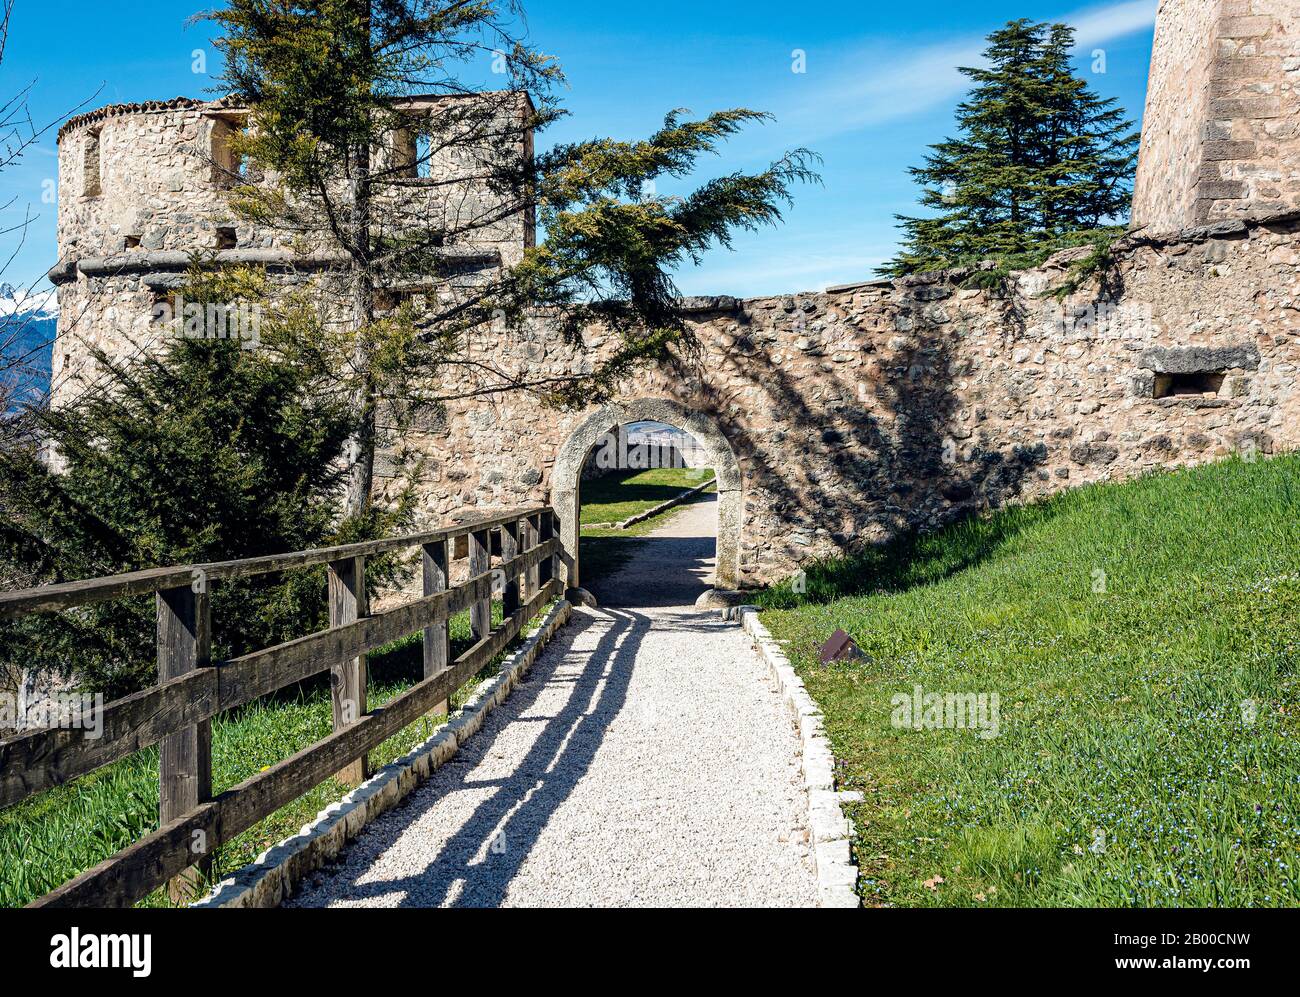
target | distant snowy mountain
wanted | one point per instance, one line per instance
(27, 323)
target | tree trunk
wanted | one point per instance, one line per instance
(360, 451)
(361, 447)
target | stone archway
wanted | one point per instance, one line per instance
(567, 472)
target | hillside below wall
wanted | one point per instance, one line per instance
(857, 414)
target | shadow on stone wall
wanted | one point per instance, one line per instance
(885, 455)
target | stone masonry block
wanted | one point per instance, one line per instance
(1219, 189)
(1246, 107)
(1217, 151)
(1199, 359)
(1245, 27)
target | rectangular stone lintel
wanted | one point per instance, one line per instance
(1220, 189)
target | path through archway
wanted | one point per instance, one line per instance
(717, 454)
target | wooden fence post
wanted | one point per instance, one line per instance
(510, 549)
(347, 596)
(480, 563)
(545, 532)
(437, 642)
(530, 526)
(185, 757)
(559, 569)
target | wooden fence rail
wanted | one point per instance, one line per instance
(176, 713)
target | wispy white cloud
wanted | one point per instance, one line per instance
(874, 87)
(1104, 24)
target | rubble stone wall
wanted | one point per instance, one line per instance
(840, 418)
(855, 414)
(141, 188)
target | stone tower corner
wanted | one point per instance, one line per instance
(1221, 135)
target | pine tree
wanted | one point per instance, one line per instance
(195, 450)
(324, 83)
(1041, 162)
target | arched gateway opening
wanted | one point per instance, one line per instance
(717, 454)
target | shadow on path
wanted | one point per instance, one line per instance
(665, 571)
(521, 804)
(670, 567)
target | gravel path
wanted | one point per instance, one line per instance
(645, 761)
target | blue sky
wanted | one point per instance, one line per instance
(880, 85)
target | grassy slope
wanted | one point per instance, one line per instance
(1127, 771)
(54, 836)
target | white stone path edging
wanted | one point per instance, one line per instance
(837, 876)
(277, 871)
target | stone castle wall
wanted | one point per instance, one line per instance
(840, 418)
(856, 414)
(1221, 136)
(1176, 120)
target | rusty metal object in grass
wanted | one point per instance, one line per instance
(840, 647)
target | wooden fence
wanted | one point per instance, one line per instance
(176, 713)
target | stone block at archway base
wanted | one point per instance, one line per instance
(581, 597)
(720, 599)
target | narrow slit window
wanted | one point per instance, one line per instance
(92, 185)
(228, 168)
(404, 154)
(249, 170)
(423, 156)
(1200, 383)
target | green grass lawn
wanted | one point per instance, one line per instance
(1142, 639)
(623, 494)
(56, 835)
(620, 496)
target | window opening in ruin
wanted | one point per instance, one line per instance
(228, 169)
(131, 242)
(403, 153)
(389, 299)
(1199, 383)
(92, 186)
(226, 238)
(423, 156)
(165, 305)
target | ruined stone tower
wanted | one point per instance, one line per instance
(1221, 137)
(145, 186)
